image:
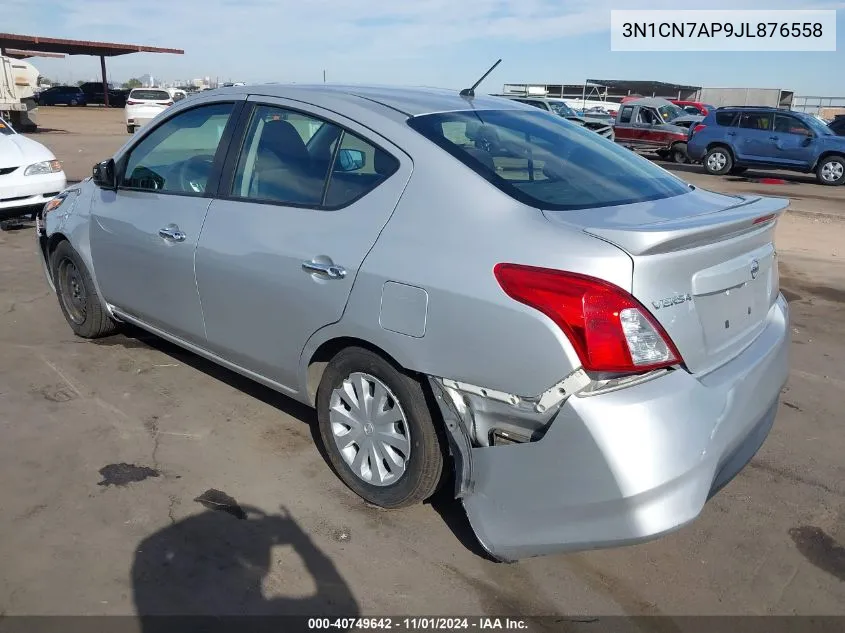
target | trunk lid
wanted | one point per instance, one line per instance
(704, 266)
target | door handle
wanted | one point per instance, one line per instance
(172, 234)
(774, 138)
(332, 271)
(731, 133)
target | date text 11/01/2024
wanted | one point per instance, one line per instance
(722, 29)
(419, 623)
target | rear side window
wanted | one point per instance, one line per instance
(726, 119)
(627, 113)
(547, 162)
(295, 159)
(150, 95)
(755, 120)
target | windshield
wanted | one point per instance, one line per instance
(817, 126)
(5, 128)
(547, 162)
(670, 112)
(560, 108)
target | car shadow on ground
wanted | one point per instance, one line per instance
(751, 175)
(208, 571)
(443, 502)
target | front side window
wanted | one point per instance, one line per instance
(547, 162)
(178, 155)
(791, 125)
(627, 112)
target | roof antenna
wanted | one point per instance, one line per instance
(470, 92)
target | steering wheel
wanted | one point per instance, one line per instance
(194, 172)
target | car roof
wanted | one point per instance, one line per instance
(650, 101)
(409, 101)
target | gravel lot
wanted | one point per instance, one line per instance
(80, 534)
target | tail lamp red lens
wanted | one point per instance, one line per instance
(610, 330)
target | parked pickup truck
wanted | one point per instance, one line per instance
(94, 94)
(655, 125)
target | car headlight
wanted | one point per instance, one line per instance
(44, 167)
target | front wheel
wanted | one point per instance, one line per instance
(77, 295)
(378, 430)
(831, 170)
(718, 161)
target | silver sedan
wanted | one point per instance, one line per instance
(470, 291)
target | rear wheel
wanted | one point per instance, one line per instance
(679, 153)
(718, 161)
(378, 431)
(77, 295)
(831, 170)
(74, 102)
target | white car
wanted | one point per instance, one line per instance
(143, 105)
(30, 175)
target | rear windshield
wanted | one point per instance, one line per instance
(546, 161)
(150, 95)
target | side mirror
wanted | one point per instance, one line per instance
(807, 141)
(104, 176)
(351, 160)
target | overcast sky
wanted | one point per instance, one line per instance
(446, 43)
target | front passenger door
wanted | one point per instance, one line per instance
(793, 141)
(144, 235)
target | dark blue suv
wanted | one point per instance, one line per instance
(730, 140)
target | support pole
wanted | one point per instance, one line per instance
(105, 83)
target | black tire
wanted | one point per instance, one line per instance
(679, 153)
(130, 129)
(74, 102)
(828, 168)
(424, 467)
(737, 171)
(715, 165)
(663, 154)
(83, 311)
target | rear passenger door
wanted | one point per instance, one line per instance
(304, 196)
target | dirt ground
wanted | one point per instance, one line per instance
(115, 457)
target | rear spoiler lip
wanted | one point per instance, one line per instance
(750, 214)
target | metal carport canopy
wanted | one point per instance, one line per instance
(79, 47)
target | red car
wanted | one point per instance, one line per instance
(694, 107)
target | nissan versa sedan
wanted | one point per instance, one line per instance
(470, 291)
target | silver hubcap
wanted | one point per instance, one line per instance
(717, 161)
(832, 171)
(370, 429)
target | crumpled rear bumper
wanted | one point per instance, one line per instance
(630, 465)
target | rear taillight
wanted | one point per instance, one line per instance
(698, 128)
(130, 102)
(164, 103)
(609, 329)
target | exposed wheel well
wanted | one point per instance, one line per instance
(828, 154)
(323, 354)
(48, 245)
(723, 146)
